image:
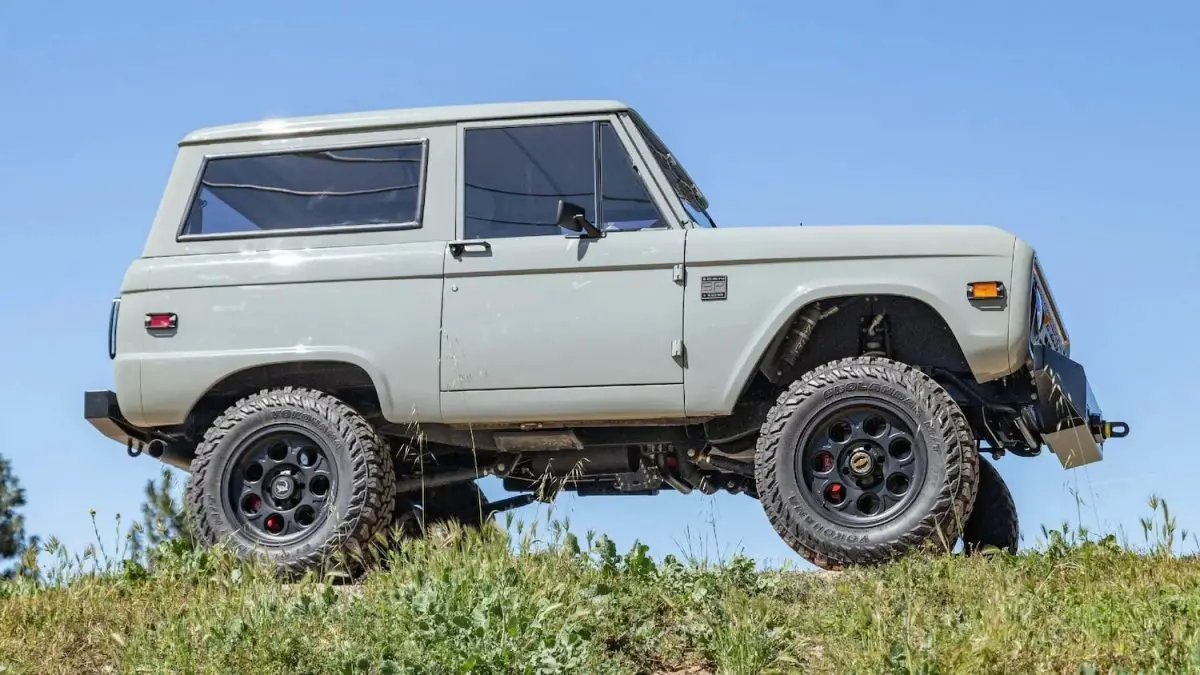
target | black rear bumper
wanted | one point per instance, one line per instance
(1067, 416)
(101, 410)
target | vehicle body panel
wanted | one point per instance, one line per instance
(368, 298)
(771, 273)
(541, 312)
(371, 120)
(547, 326)
(374, 307)
(557, 405)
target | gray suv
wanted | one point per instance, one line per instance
(339, 323)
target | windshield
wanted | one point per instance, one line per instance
(683, 185)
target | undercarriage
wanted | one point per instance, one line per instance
(590, 462)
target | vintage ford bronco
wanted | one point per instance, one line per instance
(339, 323)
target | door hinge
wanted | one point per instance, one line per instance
(678, 273)
(676, 349)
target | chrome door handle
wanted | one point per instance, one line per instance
(457, 248)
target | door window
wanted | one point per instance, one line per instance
(515, 176)
(625, 203)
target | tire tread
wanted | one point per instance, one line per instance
(940, 526)
(993, 521)
(373, 479)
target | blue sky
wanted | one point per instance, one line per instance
(1071, 124)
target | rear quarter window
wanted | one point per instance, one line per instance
(362, 188)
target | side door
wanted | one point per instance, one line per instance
(538, 322)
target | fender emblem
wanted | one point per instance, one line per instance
(714, 287)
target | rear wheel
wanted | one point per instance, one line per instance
(993, 521)
(863, 460)
(292, 475)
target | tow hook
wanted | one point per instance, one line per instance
(1105, 430)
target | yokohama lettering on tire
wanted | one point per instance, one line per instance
(927, 503)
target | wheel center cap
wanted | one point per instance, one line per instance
(283, 487)
(861, 463)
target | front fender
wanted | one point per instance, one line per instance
(726, 339)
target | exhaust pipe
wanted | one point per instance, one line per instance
(169, 454)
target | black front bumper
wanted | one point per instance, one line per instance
(1066, 413)
(101, 410)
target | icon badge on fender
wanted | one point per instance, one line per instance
(715, 287)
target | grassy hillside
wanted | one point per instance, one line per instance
(461, 602)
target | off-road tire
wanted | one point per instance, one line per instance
(993, 521)
(362, 499)
(936, 515)
(406, 519)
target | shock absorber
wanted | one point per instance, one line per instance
(873, 339)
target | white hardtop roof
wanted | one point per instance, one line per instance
(379, 119)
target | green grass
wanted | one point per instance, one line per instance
(543, 601)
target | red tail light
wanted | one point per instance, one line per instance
(163, 321)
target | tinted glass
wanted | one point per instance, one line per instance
(625, 203)
(329, 188)
(514, 177)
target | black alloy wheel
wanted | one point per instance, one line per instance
(280, 483)
(862, 462)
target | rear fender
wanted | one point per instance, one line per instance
(166, 402)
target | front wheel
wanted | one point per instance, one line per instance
(865, 459)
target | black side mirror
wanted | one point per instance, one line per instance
(573, 217)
